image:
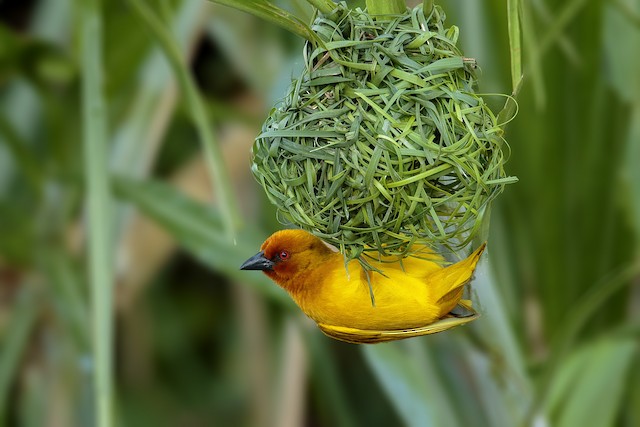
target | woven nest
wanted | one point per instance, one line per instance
(382, 142)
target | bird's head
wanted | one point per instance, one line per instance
(287, 253)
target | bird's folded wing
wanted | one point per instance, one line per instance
(366, 336)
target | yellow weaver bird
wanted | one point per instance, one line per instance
(409, 294)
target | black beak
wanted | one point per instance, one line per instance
(257, 262)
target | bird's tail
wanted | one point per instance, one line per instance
(451, 280)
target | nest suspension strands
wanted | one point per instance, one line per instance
(381, 142)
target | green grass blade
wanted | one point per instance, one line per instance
(411, 383)
(66, 287)
(515, 47)
(269, 12)
(588, 388)
(98, 201)
(476, 380)
(632, 400)
(629, 12)
(251, 54)
(33, 401)
(632, 172)
(567, 45)
(213, 155)
(427, 7)
(325, 374)
(386, 7)
(534, 62)
(14, 342)
(563, 18)
(620, 36)
(577, 317)
(586, 307)
(199, 229)
(138, 137)
(324, 6)
(22, 157)
(496, 333)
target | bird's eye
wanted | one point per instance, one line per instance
(284, 255)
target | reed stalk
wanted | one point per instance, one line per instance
(98, 199)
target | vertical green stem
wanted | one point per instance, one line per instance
(212, 152)
(98, 200)
(13, 345)
(427, 7)
(565, 337)
(324, 6)
(534, 64)
(513, 16)
(271, 13)
(386, 7)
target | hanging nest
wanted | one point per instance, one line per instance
(381, 142)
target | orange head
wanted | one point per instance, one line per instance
(287, 253)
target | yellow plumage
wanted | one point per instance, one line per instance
(410, 294)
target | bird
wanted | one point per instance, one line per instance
(407, 293)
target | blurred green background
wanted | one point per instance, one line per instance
(199, 343)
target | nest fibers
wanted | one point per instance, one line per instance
(382, 142)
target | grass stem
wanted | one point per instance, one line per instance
(98, 200)
(271, 13)
(213, 155)
(13, 344)
(324, 6)
(427, 7)
(513, 16)
(386, 7)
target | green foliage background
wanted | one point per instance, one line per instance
(186, 85)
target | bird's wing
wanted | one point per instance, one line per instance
(455, 276)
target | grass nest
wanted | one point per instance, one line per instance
(382, 142)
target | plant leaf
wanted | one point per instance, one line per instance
(590, 383)
(515, 45)
(631, 171)
(270, 12)
(193, 98)
(14, 342)
(411, 383)
(98, 201)
(199, 229)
